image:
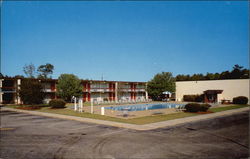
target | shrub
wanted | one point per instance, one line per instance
(57, 103)
(192, 107)
(204, 107)
(240, 100)
(193, 98)
(189, 98)
(199, 98)
(195, 107)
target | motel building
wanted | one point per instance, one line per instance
(215, 91)
(98, 91)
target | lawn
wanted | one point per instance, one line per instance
(139, 121)
(219, 109)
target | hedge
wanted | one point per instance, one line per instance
(195, 107)
(193, 98)
(57, 103)
(240, 100)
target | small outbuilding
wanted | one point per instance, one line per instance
(211, 96)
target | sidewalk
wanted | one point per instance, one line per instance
(168, 123)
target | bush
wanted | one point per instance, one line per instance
(195, 107)
(192, 107)
(31, 92)
(57, 103)
(193, 98)
(204, 107)
(240, 100)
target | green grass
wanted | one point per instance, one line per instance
(219, 109)
(16, 106)
(139, 121)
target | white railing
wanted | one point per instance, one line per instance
(100, 90)
(140, 90)
(99, 101)
(48, 90)
(126, 90)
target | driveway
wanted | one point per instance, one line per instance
(27, 136)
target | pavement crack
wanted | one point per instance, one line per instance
(61, 151)
(97, 148)
(219, 136)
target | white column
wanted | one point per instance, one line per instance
(219, 98)
(116, 92)
(18, 88)
(1, 97)
(1, 93)
(146, 91)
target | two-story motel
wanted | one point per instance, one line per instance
(92, 89)
(215, 91)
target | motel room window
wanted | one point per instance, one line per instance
(140, 86)
(99, 85)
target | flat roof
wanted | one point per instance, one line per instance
(50, 79)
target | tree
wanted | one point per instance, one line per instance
(69, 85)
(1, 75)
(31, 91)
(160, 83)
(216, 76)
(237, 72)
(197, 77)
(18, 76)
(45, 70)
(209, 76)
(245, 74)
(29, 70)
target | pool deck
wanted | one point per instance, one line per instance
(130, 114)
(168, 123)
(134, 114)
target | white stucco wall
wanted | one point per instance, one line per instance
(231, 88)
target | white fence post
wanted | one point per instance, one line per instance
(75, 105)
(80, 105)
(102, 111)
(92, 109)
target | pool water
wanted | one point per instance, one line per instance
(141, 107)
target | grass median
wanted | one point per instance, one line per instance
(219, 109)
(139, 121)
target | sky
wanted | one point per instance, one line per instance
(122, 40)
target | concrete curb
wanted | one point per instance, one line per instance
(168, 123)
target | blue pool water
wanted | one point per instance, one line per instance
(140, 107)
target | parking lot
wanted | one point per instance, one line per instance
(27, 136)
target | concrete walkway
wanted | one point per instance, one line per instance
(168, 123)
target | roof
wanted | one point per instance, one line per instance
(50, 79)
(213, 91)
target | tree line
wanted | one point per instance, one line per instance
(238, 72)
(70, 85)
(30, 71)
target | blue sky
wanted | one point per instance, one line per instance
(128, 41)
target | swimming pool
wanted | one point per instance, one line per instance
(141, 107)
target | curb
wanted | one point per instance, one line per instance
(168, 123)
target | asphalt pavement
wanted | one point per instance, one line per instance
(26, 136)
